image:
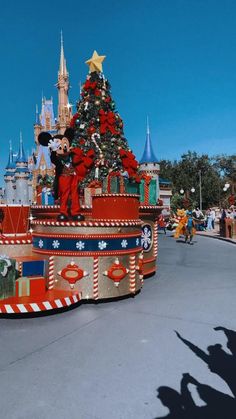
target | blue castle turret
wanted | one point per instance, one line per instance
(9, 178)
(21, 176)
(148, 162)
(148, 154)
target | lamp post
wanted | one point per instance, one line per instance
(231, 198)
(186, 195)
(200, 189)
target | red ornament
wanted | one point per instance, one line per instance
(72, 273)
(116, 272)
(91, 129)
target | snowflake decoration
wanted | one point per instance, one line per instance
(40, 243)
(80, 245)
(124, 243)
(137, 242)
(55, 244)
(102, 245)
(146, 239)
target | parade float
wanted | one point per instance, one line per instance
(98, 240)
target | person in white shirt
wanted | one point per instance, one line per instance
(213, 216)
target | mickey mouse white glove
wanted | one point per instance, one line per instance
(54, 144)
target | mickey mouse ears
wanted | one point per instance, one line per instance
(44, 138)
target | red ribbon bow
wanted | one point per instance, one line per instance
(89, 85)
(107, 122)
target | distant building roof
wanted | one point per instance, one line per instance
(22, 170)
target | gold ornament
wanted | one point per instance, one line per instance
(97, 102)
(95, 62)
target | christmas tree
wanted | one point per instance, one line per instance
(99, 129)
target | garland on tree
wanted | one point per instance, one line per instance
(99, 127)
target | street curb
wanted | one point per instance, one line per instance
(216, 237)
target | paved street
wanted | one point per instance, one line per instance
(106, 361)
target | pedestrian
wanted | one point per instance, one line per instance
(213, 216)
(209, 219)
(162, 222)
(189, 229)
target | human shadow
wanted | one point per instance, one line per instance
(217, 405)
(217, 360)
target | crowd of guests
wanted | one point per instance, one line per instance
(204, 221)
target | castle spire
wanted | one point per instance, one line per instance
(10, 163)
(62, 68)
(37, 122)
(21, 158)
(148, 154)
(64, 108)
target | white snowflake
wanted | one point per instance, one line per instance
(40, 243)
(55, 244)
(80, 245)
(102, 245)
(124, 243)
(146, 239)
(137, 242)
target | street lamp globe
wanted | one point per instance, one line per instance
(181, 191)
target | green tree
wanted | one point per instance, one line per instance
(184, 174)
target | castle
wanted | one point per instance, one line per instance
(23, 174)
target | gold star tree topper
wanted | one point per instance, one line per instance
(95, 62)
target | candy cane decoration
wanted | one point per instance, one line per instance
(51, 273)
(95, 278)
(146, 193)
(132, 274)
(155, 239)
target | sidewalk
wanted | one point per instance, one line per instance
(215, 234)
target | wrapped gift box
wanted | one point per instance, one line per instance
(34, 268)
(152, 192)
(30, 287)
(7, 277)
(94, 188)
(131, 187)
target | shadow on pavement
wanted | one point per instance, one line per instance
(217, 405)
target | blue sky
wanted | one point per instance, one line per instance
(174, 60)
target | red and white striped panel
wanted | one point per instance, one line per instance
(15, 308)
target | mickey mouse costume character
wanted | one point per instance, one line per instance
(71, 166)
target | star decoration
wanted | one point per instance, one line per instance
(95, 62)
